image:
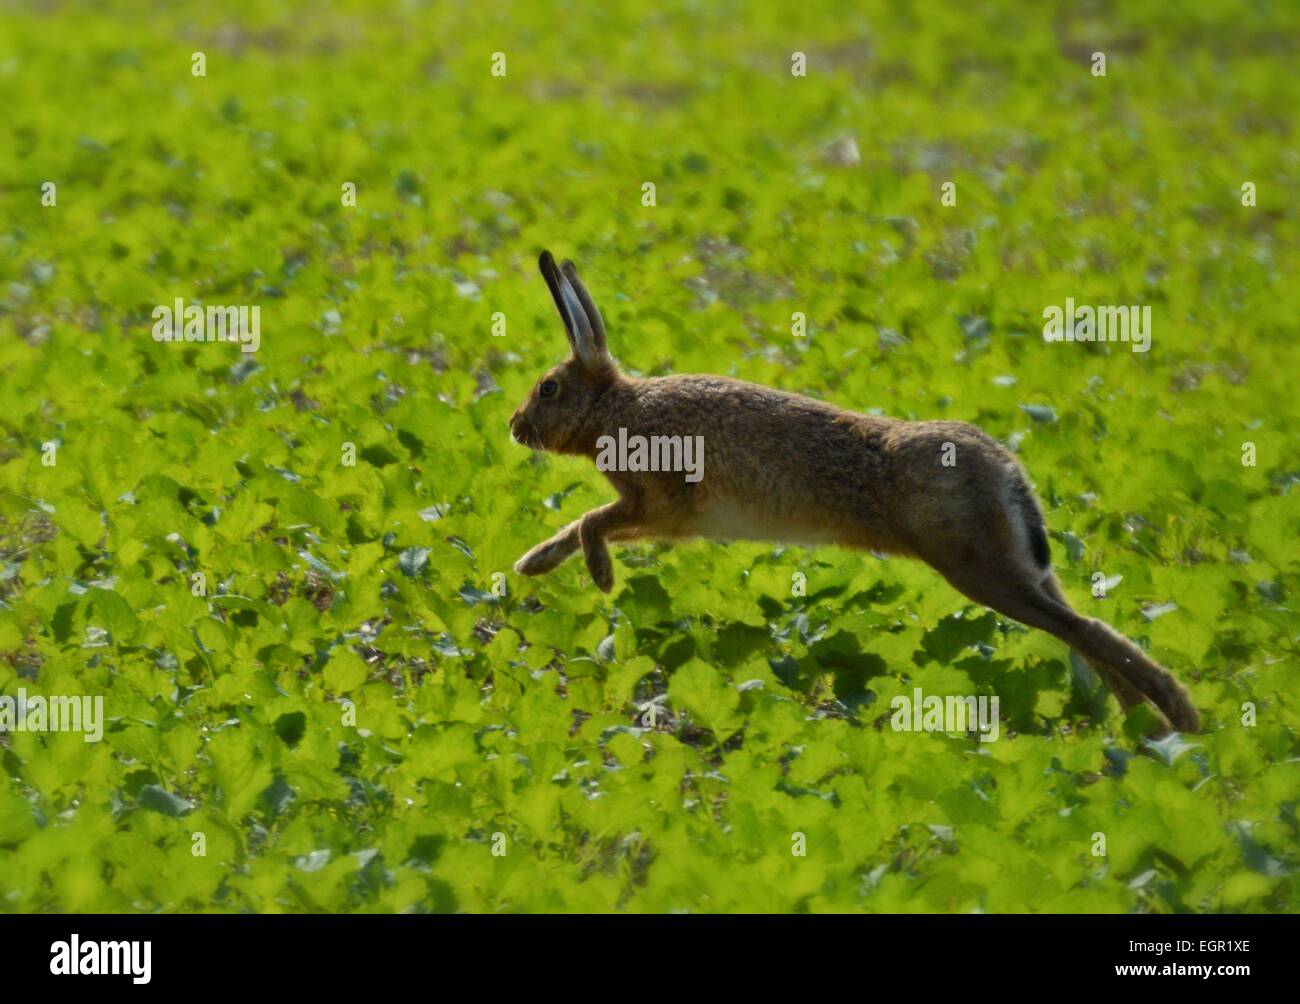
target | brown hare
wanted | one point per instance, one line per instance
(783, 467)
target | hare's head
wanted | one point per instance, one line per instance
(555, 415)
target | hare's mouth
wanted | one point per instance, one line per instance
(523, 433)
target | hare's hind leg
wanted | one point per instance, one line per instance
(1128, 669)
(1130, 673)
(1124, 692)
(1040, 606)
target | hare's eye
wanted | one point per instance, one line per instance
(548, 388)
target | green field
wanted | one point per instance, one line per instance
(316, 697)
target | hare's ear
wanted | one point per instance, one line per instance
(588, 345)
(588, 305)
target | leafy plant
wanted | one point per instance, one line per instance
(325, 690)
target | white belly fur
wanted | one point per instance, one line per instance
(724, 521)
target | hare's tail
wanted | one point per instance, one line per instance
(1022, 497)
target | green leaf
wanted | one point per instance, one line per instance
(699, 689)
(345, 671)
(159, 799)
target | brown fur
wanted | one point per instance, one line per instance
(780, 466)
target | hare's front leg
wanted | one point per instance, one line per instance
(595, 526)
(551, 553)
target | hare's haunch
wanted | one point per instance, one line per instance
(769, 465)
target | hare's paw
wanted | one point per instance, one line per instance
(542, 558)
(601, 568)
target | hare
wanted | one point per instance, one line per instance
(788, 468)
